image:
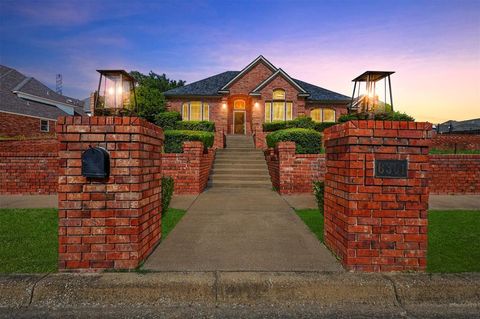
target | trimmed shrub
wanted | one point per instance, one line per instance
(320, 127)
(167, 192)
(274, 126)
(174, 139)
(318, 190)
(307, 141)
(196, 126)
(168, 120)
(299, 122)
(382, 116)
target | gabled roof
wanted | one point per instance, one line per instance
(320, 94)
(258, 60)
(281, 73)
(206, 87)
(27, 96)
(213, 86)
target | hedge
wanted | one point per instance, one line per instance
(196, 126)
(174, 139)
(168, 120)
(299, 122)
(307, 141)
(382, 116)
(167, 192)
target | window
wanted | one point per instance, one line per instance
(44, 127)
(195, 111)
(279, 94)
(322, 115)
(239, 105)
(278, 109)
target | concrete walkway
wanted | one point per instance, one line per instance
(241, 230)
(296, 201)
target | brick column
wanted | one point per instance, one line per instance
(285, 152)
(372, 223)
(111, 223)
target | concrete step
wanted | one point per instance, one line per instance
(243, 184)
(239, 161)
(246, 156)
(231, 171)
(240, 165)
(240, 178)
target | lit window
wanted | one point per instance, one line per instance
(278, 109)
(239, 105)
(44, 127)
(328, 115)
(279, 94)
(316, 115)
(323, 115)
(195, 111)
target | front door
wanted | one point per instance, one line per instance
(239, 122)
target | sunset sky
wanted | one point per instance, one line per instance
(433, 46)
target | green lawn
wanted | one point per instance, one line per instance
(453, 241)
(314, 220)
(451, 151)
(453, 238)
(28, 240)
(170, 219)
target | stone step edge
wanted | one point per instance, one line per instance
(68, 290)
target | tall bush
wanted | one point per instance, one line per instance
(174, 139)
(168, 120)
(307, 141)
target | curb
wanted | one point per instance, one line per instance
(68, 290)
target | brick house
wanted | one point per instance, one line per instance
(29, 108)
(240, 101)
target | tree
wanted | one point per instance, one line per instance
(149, 91)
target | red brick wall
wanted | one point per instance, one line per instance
(251, 79)
(377, 224)
(190, 169)
(456, 141)
(455, 174)
(18, 125)
(113, 222)
(28, 167)
(294, 173)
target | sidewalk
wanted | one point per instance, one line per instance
(255, 294)
(440, 202)
(467, 202)
(240, 229)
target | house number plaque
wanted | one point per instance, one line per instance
(391, 168)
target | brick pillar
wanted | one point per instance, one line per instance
(193, 150)
(285, 152)
(373, 223)
(111, 223)
(221, 123)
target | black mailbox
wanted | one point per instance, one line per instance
(96, 163)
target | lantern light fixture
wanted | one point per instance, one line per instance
(116, 93)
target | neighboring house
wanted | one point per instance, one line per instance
(459, 127)
(240, 101)
(28, 107)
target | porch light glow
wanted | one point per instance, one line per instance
(116, 93)
(256, 105)
(224, 105)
